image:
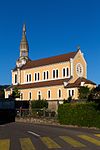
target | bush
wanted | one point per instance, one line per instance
(81, 114)
(39, 104)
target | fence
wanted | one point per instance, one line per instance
(23, 109)
(7, 111)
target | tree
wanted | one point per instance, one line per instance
(2, 93)
(84, 92)
(15, 93)
(95, 93)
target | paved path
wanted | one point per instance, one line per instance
(20, 136)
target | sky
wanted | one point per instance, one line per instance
(54, 27)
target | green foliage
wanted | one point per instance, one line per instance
(2, 93)
(69, 99)
(16, 93)
(96, 92)
(81, 114)
(39, 104)
(95, 95)
(84, 92)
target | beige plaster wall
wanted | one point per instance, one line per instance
(40, 70)
(79, 59)
(43, 90)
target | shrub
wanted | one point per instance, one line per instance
(39, 104)
(84, 92)
(81, 114)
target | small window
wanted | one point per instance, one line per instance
(38, 76)
(53, 73)
(49, 94)
(29, 77)
(15, 78)
(64, 72)
(47, 74)
(35, 76)
(67, 72)
(72, 92)
(56, 73)
(21, 96)
(59, 93)
(44, 75)
(69, 92)
(30, 95)
(39, 95)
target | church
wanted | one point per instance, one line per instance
(52, 78)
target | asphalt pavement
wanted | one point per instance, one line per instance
(29, 136)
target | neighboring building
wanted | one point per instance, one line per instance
(54, 78)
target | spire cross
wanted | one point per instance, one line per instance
(78, 47)
(24, 28)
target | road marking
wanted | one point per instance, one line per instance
(4, 144)
(34, 133)
(98, 135)
(72, 142)
(26, 144)
(49, 142)
(90, 139)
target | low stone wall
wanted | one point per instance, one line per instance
(49, 121)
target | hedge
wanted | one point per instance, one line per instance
(80, 114)
(39, 104)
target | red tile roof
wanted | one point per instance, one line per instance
(40, 84)
(77, 83)
(48, 61)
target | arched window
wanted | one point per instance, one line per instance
(45, 75)
(36, 76)
(65, 72)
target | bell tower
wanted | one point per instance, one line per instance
(24, 49)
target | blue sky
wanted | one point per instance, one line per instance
(53, 27)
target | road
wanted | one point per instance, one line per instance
(27, 136)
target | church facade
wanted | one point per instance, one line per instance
(53, 78)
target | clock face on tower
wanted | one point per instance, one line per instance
(24, 54)
(79, 69)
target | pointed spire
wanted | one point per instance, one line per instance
(24, 44)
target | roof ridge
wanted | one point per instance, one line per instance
(55, 56)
